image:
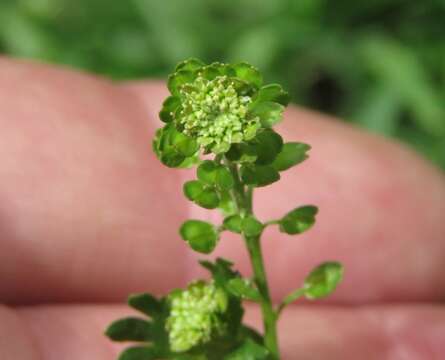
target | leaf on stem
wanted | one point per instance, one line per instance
(139, 353)
(258, 176)
(145, 303)
(200, 235)
(130, 329)
(243, 288)
(298, 220)
(249, 350)
(292, 153)
(233, 223)
(274, 93)
(323, 280)
(320, 283)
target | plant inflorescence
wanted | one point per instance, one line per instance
(225, 113)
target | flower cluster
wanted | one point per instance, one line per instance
(215, 114)
(195, 315)
(214, 108)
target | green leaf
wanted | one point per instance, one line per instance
(211, 71)
(291, 154)
(172, 158)
(274, 93)
(178, 79)
(233, 223)
(208, 199)
(247, 72)
(214, 174)
(226, 204)
(268, 145)
(184, 144)
(243, 153)
(145, 303)
(270, 113)
(169, 106)
(206, 172)
(130, 329)
(221, 271)
(192, 189)
(201, 236)
(139, 353)
(224, 179)
(191, 64)
(172, 147)
(243, 288)
(323, 280)
(251, 226)
(249, 350)
(298, 220)
(259, 175)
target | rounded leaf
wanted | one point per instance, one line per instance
(192, 189)
(258, 176)
(172, 158)
(184, 144)
(201, 236)
(208, 199)
(212, 173)
(224, 178)
(248, 73)
(298, 220)
(323, 280)
(207, 172)
(274, 93)
(243, 288)
(251, 226)
(242, 153)
(233, 223)
(191, 64)
(270, 113)
(268, 145)
(291, 154)
(178, 79)
(169, 106)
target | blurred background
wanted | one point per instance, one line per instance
(380, 63)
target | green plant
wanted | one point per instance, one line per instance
(224, 112)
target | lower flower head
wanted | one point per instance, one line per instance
(195, 315)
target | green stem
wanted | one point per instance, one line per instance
(244, 204)
(269, 315)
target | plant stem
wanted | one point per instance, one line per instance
(244, 205)
(269, 315)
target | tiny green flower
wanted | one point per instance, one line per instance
(215, 114)
(195, 315)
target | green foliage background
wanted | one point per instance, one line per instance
(377, 63)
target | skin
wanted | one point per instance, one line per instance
(89, 215)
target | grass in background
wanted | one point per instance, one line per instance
(380, 64)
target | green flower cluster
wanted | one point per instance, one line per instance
(213, 107)
(195, 315)
(215, 114)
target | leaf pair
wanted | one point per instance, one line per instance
(173, 148)
(247, 225)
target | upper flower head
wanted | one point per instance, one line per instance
(213, 107)
(195, 315)
(214, 113)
